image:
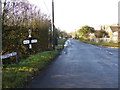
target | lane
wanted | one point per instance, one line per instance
(80, 65)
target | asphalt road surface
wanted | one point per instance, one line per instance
(80, 65)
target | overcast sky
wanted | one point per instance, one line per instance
(70, 15)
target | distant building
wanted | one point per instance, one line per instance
(111, 36)
(113, 32)
(92, 35)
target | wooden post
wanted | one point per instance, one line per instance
(53, 28)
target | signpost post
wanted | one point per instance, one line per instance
(30, 41)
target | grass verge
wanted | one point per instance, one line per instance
(60, 46)
(61, 41)
(18, 75)
(105, 44)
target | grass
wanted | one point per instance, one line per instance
(61, 41)
(60, 44)
(15, 76)
(106, 44)
(18, 75)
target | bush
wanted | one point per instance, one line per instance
(101, 34)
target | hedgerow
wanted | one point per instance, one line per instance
(19, 16)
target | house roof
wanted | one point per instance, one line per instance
(115, 28)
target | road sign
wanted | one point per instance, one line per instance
(34, 41)
(9, 55)
(26, 41)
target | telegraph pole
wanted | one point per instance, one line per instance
(53, 28)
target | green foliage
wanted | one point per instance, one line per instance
(18, 75)
(101, 34)
(18, 17)
(61, 43)
(101, 44)
(85, 30)
(62, 33)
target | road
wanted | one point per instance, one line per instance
(80, 65)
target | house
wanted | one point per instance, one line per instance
(113, 32)
(92, 35)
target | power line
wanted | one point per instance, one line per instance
(46, 7)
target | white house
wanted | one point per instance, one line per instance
(113, 32)
(91, 35)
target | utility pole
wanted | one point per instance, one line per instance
(118, 23)
(53, 28)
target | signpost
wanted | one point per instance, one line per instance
(30, 41)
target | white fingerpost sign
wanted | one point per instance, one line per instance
(26, 41)
(30, 41)
(34, 41)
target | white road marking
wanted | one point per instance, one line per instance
(110, 53)
(102, 49)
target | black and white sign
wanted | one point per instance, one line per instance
(26, 41)
(9, 55)
(30, 41)
(34, 41)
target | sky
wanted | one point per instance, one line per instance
(71, 15)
